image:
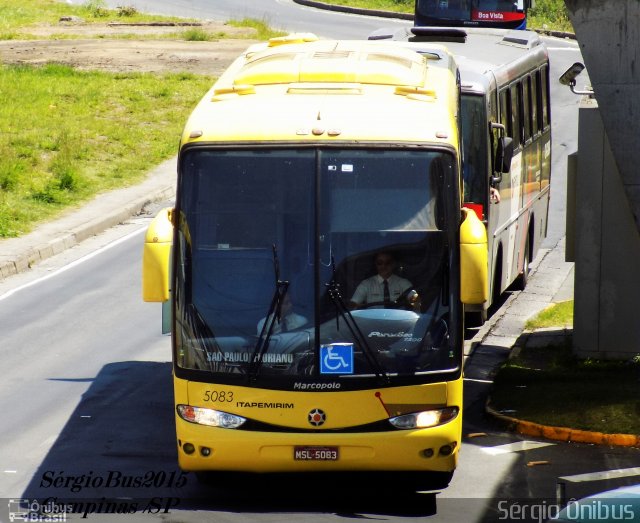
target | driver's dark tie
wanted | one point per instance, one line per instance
(386, 295)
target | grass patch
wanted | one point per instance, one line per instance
(550, 386)
(263, 30)
(196, 34)
(83, 133)
(556, 315)
(397, 6)
(16, 17)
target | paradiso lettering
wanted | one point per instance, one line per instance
(245, 357)
(407, 336)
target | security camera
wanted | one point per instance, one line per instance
(569, 78)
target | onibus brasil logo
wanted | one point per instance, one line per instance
(31, 510)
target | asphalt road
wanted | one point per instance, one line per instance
(279, 14)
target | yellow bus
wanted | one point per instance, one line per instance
(311, 167)
(505, 102)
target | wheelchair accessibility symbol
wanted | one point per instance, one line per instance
(336, 358)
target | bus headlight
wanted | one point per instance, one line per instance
(210, 417)
(424, 419)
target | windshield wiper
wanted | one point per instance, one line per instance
(333, 290)
(202, 333)
(273, 315)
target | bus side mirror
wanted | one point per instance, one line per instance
(474, 271)
(155, 258)
(504, 155)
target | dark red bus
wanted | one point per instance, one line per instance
(503, 14)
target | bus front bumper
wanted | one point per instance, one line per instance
(202, 448)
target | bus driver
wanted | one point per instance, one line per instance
(384, 288)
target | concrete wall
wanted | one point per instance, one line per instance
(607, 249)
(608, 32)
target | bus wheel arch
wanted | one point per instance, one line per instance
(521, 281)
(496, 290)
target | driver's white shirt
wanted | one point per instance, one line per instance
(372, 289)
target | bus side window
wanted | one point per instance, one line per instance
(515, 115)
(504, 106)
(505, 118)
(526, 110)
(544, 89)
(534, 80)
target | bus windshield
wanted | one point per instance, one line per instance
(273, 247)
(485, 13)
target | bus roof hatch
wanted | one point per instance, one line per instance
(333, 62)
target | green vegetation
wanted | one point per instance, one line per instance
(85, 132)
(550, 15)
(262, 31)
(69, 135)
(399, 6)
(261, 27)
(556, 315)
(550, 386)
(17, 17)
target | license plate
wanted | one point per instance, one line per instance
(315, 453)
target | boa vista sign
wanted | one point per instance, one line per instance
(482, 15)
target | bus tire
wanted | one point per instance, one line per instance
(212, 478)
(496, 291)
(475, 319)
(432, 481)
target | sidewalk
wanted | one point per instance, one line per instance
(551, 281)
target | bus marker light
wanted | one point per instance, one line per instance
(188, 448)
(205, 451)
(427, 453)
(445, 450)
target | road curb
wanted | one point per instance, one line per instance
(530, 428)
(556, 336)
(354, 10)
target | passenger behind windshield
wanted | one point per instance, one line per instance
(385, 289)
(288, 321)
